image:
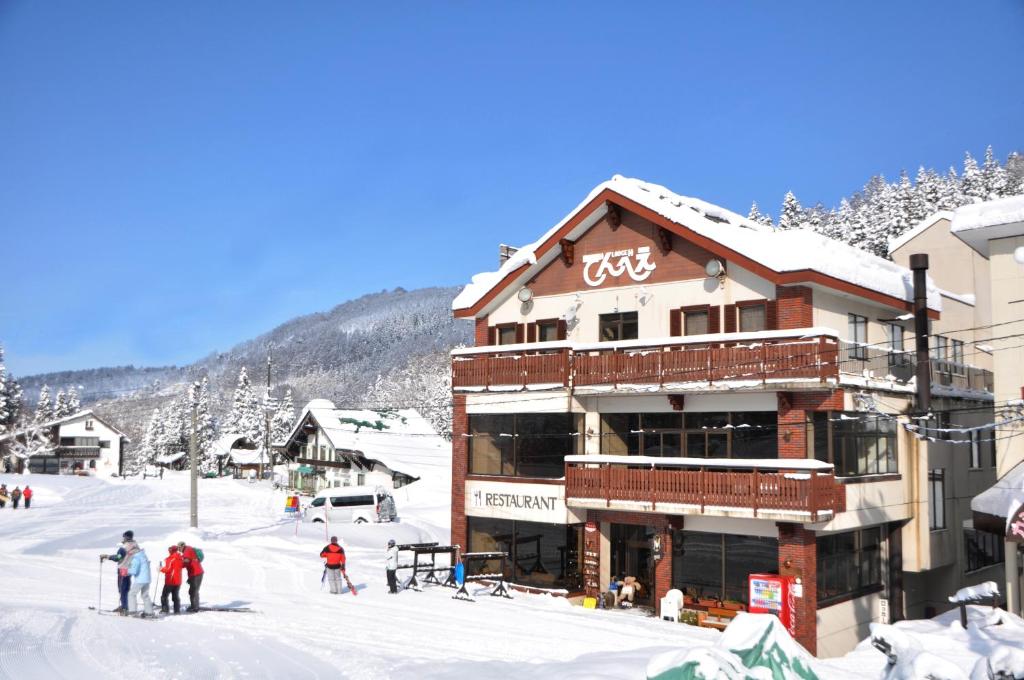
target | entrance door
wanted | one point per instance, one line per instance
(631, 556)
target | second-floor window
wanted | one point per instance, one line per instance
(506, 334)
(937, 499)
(857, 329)
(547, 331)
(856, 444)
(695, 322)
(619, 326)
(521, 444)
(753, 317)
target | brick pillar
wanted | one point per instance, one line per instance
(460, 465)
(663, 569)
(795, 307)
(480, 335)
(792, 429)
(798, 556)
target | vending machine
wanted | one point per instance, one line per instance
(774, 594)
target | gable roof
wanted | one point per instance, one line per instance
(66, 419)
(921, 227)
(783, 257)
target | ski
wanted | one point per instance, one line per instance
(351, 588)
(241, 610)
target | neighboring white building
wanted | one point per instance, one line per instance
(80, 443)
(331, 447)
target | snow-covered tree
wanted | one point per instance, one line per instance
(972, 183)
(148, 448)
(5, 414)
(246, 417)
(284, 418)
(1015, 174)
(755, 215)
(928, 193)
(791, 215)
(206, 427)
(60, 405)
(44, 409)
(993, 175)
(74, 401)
(13, 400)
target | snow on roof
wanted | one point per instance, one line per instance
(1003, 497)
(965, 298)
(168, 458)
(226, 444)
(781, 251)
(978, 223)
(922, 226)
(61, 421)
(988, 589)
(402, 440)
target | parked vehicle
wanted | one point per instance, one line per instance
(357, 504)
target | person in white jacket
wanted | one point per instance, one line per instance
(391, 565)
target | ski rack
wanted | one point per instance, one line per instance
(482, 558)
(433, 550)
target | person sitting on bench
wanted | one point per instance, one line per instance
(629, 588)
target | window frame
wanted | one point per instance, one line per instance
(858, 346)
(852, 442)
(502, 328)
(605, 321)
(982, 549)
(692, 312)
(543, 324)
(850, 565)
(510, 461)
(937, 499)
(975, 459)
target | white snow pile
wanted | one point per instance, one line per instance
(988, 214)
(1004, 497)
(970, 594)
(940, 649)
(781, 251)
(753, 646)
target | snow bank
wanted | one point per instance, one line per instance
(982, 591)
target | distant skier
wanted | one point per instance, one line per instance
(139, 571)
(27, 495)
(172, 579)
(4, 495)
(193, 560)
(122, 558)
(16, 497)
(333, 556)
(391, 566)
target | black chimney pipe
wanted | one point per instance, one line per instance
(919, 264)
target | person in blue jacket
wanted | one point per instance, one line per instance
(138, 569)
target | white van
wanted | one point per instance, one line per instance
(356, 504)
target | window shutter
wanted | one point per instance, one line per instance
(531, 332)
(771, 315)
(730, 318)
(714, 313)
(562, 334)
(520, 332)
(492, 335)
(675, 322)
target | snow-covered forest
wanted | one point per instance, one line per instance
(883, 210)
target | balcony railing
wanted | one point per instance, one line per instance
(799, 489)
(759, 357)
(884, 364)
(78, 451)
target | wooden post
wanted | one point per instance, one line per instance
(757, 491)
(813, 496)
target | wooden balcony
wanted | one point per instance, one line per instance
(771, 356)
(797, 490)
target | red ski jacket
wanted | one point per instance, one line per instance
(192, 564)
(335, 556)
(27, 494)
(172, 569)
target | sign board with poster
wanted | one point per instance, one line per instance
(1015, 525)
(591, 559)
(773, 594)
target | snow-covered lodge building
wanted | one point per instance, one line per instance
(330, 447)
(661, 388)
(979, 249)
(81, 443)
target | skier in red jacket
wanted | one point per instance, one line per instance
(27, 496)
(333, 556)
(195, 574)
(172, 579)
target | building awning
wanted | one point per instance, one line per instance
(305, 469)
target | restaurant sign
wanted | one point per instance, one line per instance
(526, 502)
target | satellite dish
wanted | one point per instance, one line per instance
(525, 294)
(714, 268)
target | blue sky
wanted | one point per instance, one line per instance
(177, 177)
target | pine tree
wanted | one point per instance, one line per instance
(928, 194)
(791, 215)
(60, 405)
(12, 395)
(1015, 174)
(993, 176)
(44, 409)
(952, 191)
(74, 401)
(206, 428)
(284, 418)
(972, 183)
(5, 414)
(901, 215)
(757, 216)
(245, 418)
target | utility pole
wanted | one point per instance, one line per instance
(266, 409)
(194, 504)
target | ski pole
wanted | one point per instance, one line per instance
(99, 597)
(156, 583)
(323, 577)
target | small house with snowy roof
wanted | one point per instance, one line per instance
(663, 389)
(81, 443)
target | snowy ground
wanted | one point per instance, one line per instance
(50, 575)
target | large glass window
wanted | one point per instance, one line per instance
(857, 329)
(752, 434)
(855, 443)
(849, 564)
(983, 549)
(522, 444)
(618, 326)
(717, 565)
(539, 555)
(937, 499)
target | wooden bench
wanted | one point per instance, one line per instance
(717, 617)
